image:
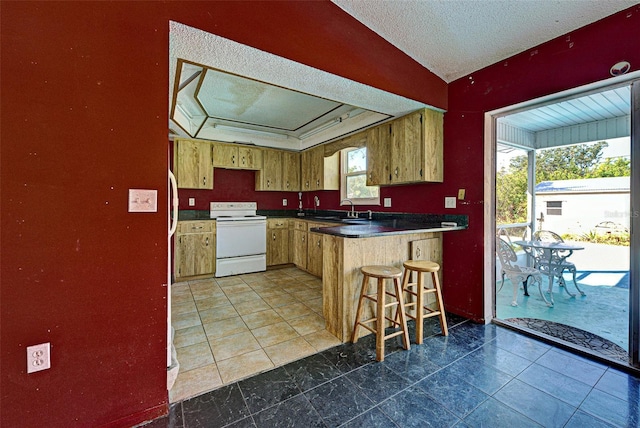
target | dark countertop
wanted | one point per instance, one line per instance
(368, 229)
(381, 224)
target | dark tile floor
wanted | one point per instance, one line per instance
(478, 376)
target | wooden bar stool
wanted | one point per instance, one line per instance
(418, 291)
(382, 273)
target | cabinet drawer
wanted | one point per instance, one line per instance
(198, 226)
(300, 225)
(277, 223)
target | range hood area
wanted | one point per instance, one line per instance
(214, 105)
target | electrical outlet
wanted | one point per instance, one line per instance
(284, 202)
(387, 202)
(192, 202)
(449, 202)
(38, 357)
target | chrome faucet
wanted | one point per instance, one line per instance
(351, 214)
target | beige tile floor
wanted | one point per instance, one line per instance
(227, 329)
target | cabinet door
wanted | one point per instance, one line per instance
(300, 248)
(195, 254)
(270, 176)
(432, 134)
(193, 164)
(306, 170)
(249, 157)
(277, 246)
(225, 155)
(314, 254)
(407, 149)
(291, 171)
(317, 168)
(378, 149)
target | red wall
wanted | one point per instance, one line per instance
(84, 118)
(581, 57)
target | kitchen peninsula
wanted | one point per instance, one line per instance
(346, 248)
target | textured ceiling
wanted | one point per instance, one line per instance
(453, 38)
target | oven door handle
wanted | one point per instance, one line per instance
(238, 223)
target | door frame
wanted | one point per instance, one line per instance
(489, 221)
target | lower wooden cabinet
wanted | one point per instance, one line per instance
(300, 244)
(195, 249)
(314, 254)
(277, 242)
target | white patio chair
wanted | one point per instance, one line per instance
(557, 265)
(516, 273)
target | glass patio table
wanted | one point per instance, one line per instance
(553, 255)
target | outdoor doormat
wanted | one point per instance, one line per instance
(574, 335)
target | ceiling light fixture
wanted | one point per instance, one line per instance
(250, 131)
(325, 126)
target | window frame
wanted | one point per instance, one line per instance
(343, 180)
(554, 210)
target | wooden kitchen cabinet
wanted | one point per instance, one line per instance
(320, 172)
(195, 248)
(270, 176)
(300, 244)
(414, 150)
(307, 246)
(277, 241)
(236, 156)
(378, 148)
(291, 171)
(314, 253)
(193, 164)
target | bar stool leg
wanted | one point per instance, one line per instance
(363, 291)
(380, 320)
(420, 309)
(442, 316)
(401, 313)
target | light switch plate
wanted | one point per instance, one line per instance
(450, 202)
(192, 202)
(284, 202)
(387, 202)
(143, 200)
(461, 193)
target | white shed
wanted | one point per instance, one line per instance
(577, 206)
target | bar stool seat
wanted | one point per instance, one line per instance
(381, 273)
(418, 291)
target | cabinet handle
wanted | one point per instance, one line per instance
(204, 181)
(418, 252)
(244, 162)
(396, 171)
(233, 159)
(207, 242)
(287, 184)
(318, 183)
(303, 238)
(319, 242)
(274, 236)
(420, 172)
(196, 227)
(268, 183)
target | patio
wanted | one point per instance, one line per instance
(603, 274)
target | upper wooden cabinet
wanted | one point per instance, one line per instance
(280, 171)
(291, 171)
(320, 172)
(406, 150)
(193, 164)
(236, 156)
